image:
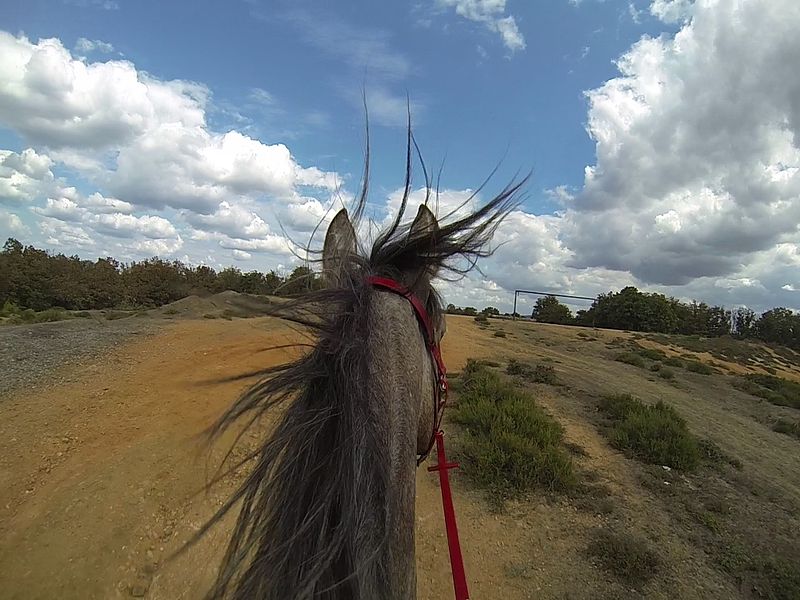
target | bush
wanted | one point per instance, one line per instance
(511, 445)
(773, 389)
(532, 373)
(628, 557)
(788, 427)
(651, 353)
(630, 358)
(481, 319)
(500, 334)
(673, 361)
(697, 367)
(654, 434)
(666, 373)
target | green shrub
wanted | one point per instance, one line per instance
(673, 361)
(773, 389)
(82, 314)
(788, 427)
(628, 557)
(696, 366)
(510, 445)
(630, 358)
(532, 373)
(666, 373)
(651, 353)
(9, 309)
(654, 434)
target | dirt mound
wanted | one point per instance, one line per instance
(224, 305)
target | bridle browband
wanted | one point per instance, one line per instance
(440, 373)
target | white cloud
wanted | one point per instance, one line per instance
(271, 244)
(25, 176)
(241, 255)
(695, 159)
(672, 11)
(63, 209)
(232, 220)
(491, 13)
(121, 225)
(11, 225)
(97, 203)
(85, 46)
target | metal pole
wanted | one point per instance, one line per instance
(514, 314)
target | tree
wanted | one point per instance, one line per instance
(744, 322)
(779, 325)
(490, 310)
(549, 310)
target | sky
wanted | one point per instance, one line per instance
(663, 136)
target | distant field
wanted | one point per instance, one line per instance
(99, 467)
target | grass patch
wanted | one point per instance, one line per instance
(770, 576)
(82, 314)
(482, 319)
(665, 373)
(630, 358)
(13, 315)
(210, 316)
(773, 389)
(171, 311)
(651, 353)
(510, 445)
(788, 427)
(628, 557)
(673, 361)
(113, 315)
(532, 373)
(712, 453)
(695, 366)
(655, 434)
(500, 333)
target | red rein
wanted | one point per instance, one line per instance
(437, 436)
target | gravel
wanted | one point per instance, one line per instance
(31, 354)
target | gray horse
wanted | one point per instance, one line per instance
(327, 509)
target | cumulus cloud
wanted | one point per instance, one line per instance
(492, 14)
(232, 220)
(84, 46)
(24, 176)
(147, 140)
(11, 225)
(671, 11)
(120, 225)
(696, 160)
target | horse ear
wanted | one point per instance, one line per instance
(425, 223)
(340, 241)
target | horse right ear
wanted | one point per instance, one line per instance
(340, 242)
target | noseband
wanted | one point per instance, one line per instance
(440, 373)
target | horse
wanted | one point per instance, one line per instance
(327, 508)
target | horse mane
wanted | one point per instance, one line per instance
(313, 505)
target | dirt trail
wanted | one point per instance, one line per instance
(98, 474)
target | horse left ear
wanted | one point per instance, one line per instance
(425, 223)
(340, 242)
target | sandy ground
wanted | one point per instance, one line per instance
(100, 473)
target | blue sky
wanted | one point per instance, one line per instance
(147, 127)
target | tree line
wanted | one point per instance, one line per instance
(634, 310)
(39, 280)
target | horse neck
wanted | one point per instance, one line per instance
(400, 374)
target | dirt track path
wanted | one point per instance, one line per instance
(99, 474)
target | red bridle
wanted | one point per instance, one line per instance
(437, 436)
(440, 373)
